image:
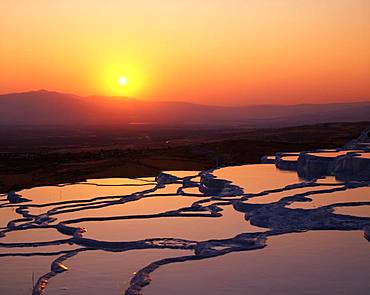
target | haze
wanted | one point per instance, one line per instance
(233, 52)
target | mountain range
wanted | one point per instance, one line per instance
(43, 107)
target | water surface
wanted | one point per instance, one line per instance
(306, 263)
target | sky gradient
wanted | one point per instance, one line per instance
(224, 52)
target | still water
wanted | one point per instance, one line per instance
(102, 233)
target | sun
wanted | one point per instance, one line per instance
(122, 81)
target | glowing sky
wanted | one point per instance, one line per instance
(206, 51)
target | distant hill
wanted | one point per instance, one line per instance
(52, 108)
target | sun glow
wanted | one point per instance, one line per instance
(122, 81)
(88, 45)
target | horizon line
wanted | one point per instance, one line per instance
(180, 101)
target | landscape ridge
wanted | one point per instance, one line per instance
(44, 107)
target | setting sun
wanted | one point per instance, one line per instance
(121, 78)
(122, 81)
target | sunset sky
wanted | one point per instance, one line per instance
(224, 52)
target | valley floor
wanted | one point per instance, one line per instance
(32, 157)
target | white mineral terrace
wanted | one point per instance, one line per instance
(271, 228)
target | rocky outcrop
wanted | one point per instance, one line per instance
(211, 186)
(287, 161)
(352, 167)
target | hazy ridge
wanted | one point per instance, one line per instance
(52, 108)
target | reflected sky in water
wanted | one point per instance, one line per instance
(306, 263)
(257, 178)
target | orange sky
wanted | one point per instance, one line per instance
(227, 52)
